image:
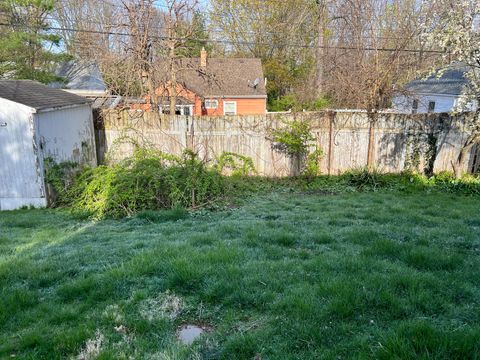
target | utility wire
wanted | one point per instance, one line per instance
(230, 42)
(217, 30)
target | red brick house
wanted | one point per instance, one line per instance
(216, 87)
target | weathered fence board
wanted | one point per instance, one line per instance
(400, 141)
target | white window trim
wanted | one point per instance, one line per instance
(225, 107)
(211, 101)
(181, 108)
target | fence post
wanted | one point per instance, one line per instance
(330, 142)
(372, 119)
(192, 134)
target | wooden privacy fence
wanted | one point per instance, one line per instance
(398, 141)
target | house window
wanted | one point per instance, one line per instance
(415, 106)
(431, 106)
(230, 108)
(187, 110)
(211, 104)
(179, 110)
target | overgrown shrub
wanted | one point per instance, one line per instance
(145, 181)
(365, 179)
(150, 181)
(312, 163)
(59, 177)
(235, 164)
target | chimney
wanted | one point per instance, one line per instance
(203, 58)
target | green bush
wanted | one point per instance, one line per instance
(59, 176)
(292, 103)
(145, 181)
(364, 179)
(150, 181)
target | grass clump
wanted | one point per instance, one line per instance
(174, 214)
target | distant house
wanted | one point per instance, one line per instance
(39, 123)
(435, 93)
(81, 78)
(214, 86)
(84, 78)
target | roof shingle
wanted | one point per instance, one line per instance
(38, 96)
(451, 82)
(80, 75)
(221, 77)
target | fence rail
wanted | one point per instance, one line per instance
(400, 141)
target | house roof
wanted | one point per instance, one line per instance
(38, 96)
(451, 82)
(80, 75)
(221, 77)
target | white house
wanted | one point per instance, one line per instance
(434, 94)
(36, 123)
(84, 78)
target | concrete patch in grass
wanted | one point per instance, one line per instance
(187, 334)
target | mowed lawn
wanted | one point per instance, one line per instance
(284, 276)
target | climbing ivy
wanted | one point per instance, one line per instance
(236, 164)
(295, 140)
(421, 146)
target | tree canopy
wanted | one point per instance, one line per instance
(28, 50)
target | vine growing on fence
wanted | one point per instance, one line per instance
(235, 164)
(295, 140)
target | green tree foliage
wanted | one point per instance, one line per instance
(266, 29)
(294, 103)
(197, 37)
(26, 44)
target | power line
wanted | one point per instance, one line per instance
(230, 42)
(216, 31)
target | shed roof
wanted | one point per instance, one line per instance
(452, 81)
(38, 96)
(221, 77)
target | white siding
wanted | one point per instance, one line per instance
(67, 135)
(21, 180)
(443, 103)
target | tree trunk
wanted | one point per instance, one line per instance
(173, 74)
(173, 91)
(320, 51)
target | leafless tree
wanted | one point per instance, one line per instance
(375, 50)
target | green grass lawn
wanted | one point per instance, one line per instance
(286, 275)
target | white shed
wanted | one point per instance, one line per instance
(36, 123)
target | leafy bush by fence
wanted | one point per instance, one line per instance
(146, 181)
(151, 180)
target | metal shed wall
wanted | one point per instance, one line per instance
(21, 179)
(67, 135)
